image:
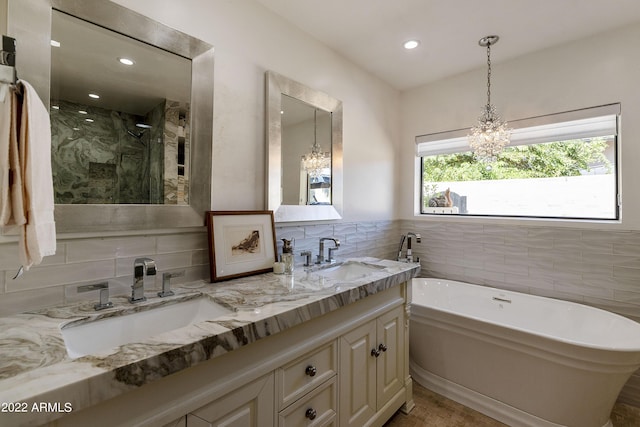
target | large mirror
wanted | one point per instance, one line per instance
(304, 151)
(142, 160)
(119, 117)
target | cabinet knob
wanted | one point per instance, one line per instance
(375, 352)
(382, 347)
(311, 414)
(311, 371)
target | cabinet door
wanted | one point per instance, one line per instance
(249, 406)
(390, 364)
(357, 375)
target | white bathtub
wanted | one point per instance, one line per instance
(521, 359)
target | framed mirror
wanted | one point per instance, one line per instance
(304, 151)
(144, 160)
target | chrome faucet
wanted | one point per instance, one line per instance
(141, 266)
(418, 240)
(320, 258)
(407, 237)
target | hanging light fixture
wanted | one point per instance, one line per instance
(490, 135)
(315, 162)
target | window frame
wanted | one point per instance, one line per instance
(457, 142)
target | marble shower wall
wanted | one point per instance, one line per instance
(97, 161)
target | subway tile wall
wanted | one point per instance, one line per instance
(84, 261)
(594, 267)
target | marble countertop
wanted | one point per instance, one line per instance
(35, 366)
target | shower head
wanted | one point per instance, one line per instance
(136, 135)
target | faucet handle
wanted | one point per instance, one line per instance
(103, 287)
(330, 258)
(172, 274)
(166, 283)
(307, 258)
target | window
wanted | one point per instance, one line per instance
(558, 166)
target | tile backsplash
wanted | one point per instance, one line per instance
(91, 260)
(595, 267)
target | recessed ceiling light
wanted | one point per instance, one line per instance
(55, 43)
(411, 44)
(94, 96)
(55, 107)
(88, 120)
(82, 112)
(126, 61)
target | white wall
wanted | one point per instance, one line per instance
(585, 73)
(3, 12)
(249, 40)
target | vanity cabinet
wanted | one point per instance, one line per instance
(372, 366)
(345, 367)
(248, 406)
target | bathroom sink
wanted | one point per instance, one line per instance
(350, 270)
(103, 334)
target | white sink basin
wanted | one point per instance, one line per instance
(93, 337)
(349, 270)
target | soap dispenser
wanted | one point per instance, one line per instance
(287, 255)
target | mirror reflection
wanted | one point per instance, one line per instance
(120, 129)
(306, 153)
(312, 130)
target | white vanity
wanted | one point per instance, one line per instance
(301, 350)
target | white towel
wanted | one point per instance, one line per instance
(38, 235)
(6, 105)
(11, 200)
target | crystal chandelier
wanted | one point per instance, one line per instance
(491, 134)
(314, 162)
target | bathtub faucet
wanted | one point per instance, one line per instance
(409, 256)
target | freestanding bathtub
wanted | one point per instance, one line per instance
(521, 359)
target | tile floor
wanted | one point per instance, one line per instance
(434, 410)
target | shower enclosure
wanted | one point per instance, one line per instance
(107, 157)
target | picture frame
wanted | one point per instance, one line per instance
(241, 243)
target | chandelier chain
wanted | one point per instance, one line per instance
(488, 73)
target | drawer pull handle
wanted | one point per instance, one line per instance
(311, 414)
(311, 371)
(382, 347)
(375, 352)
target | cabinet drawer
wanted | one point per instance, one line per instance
(297, 378)
(316, 409)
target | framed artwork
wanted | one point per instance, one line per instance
(241, 243)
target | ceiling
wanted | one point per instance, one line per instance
(370, 33)
(87, 62)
